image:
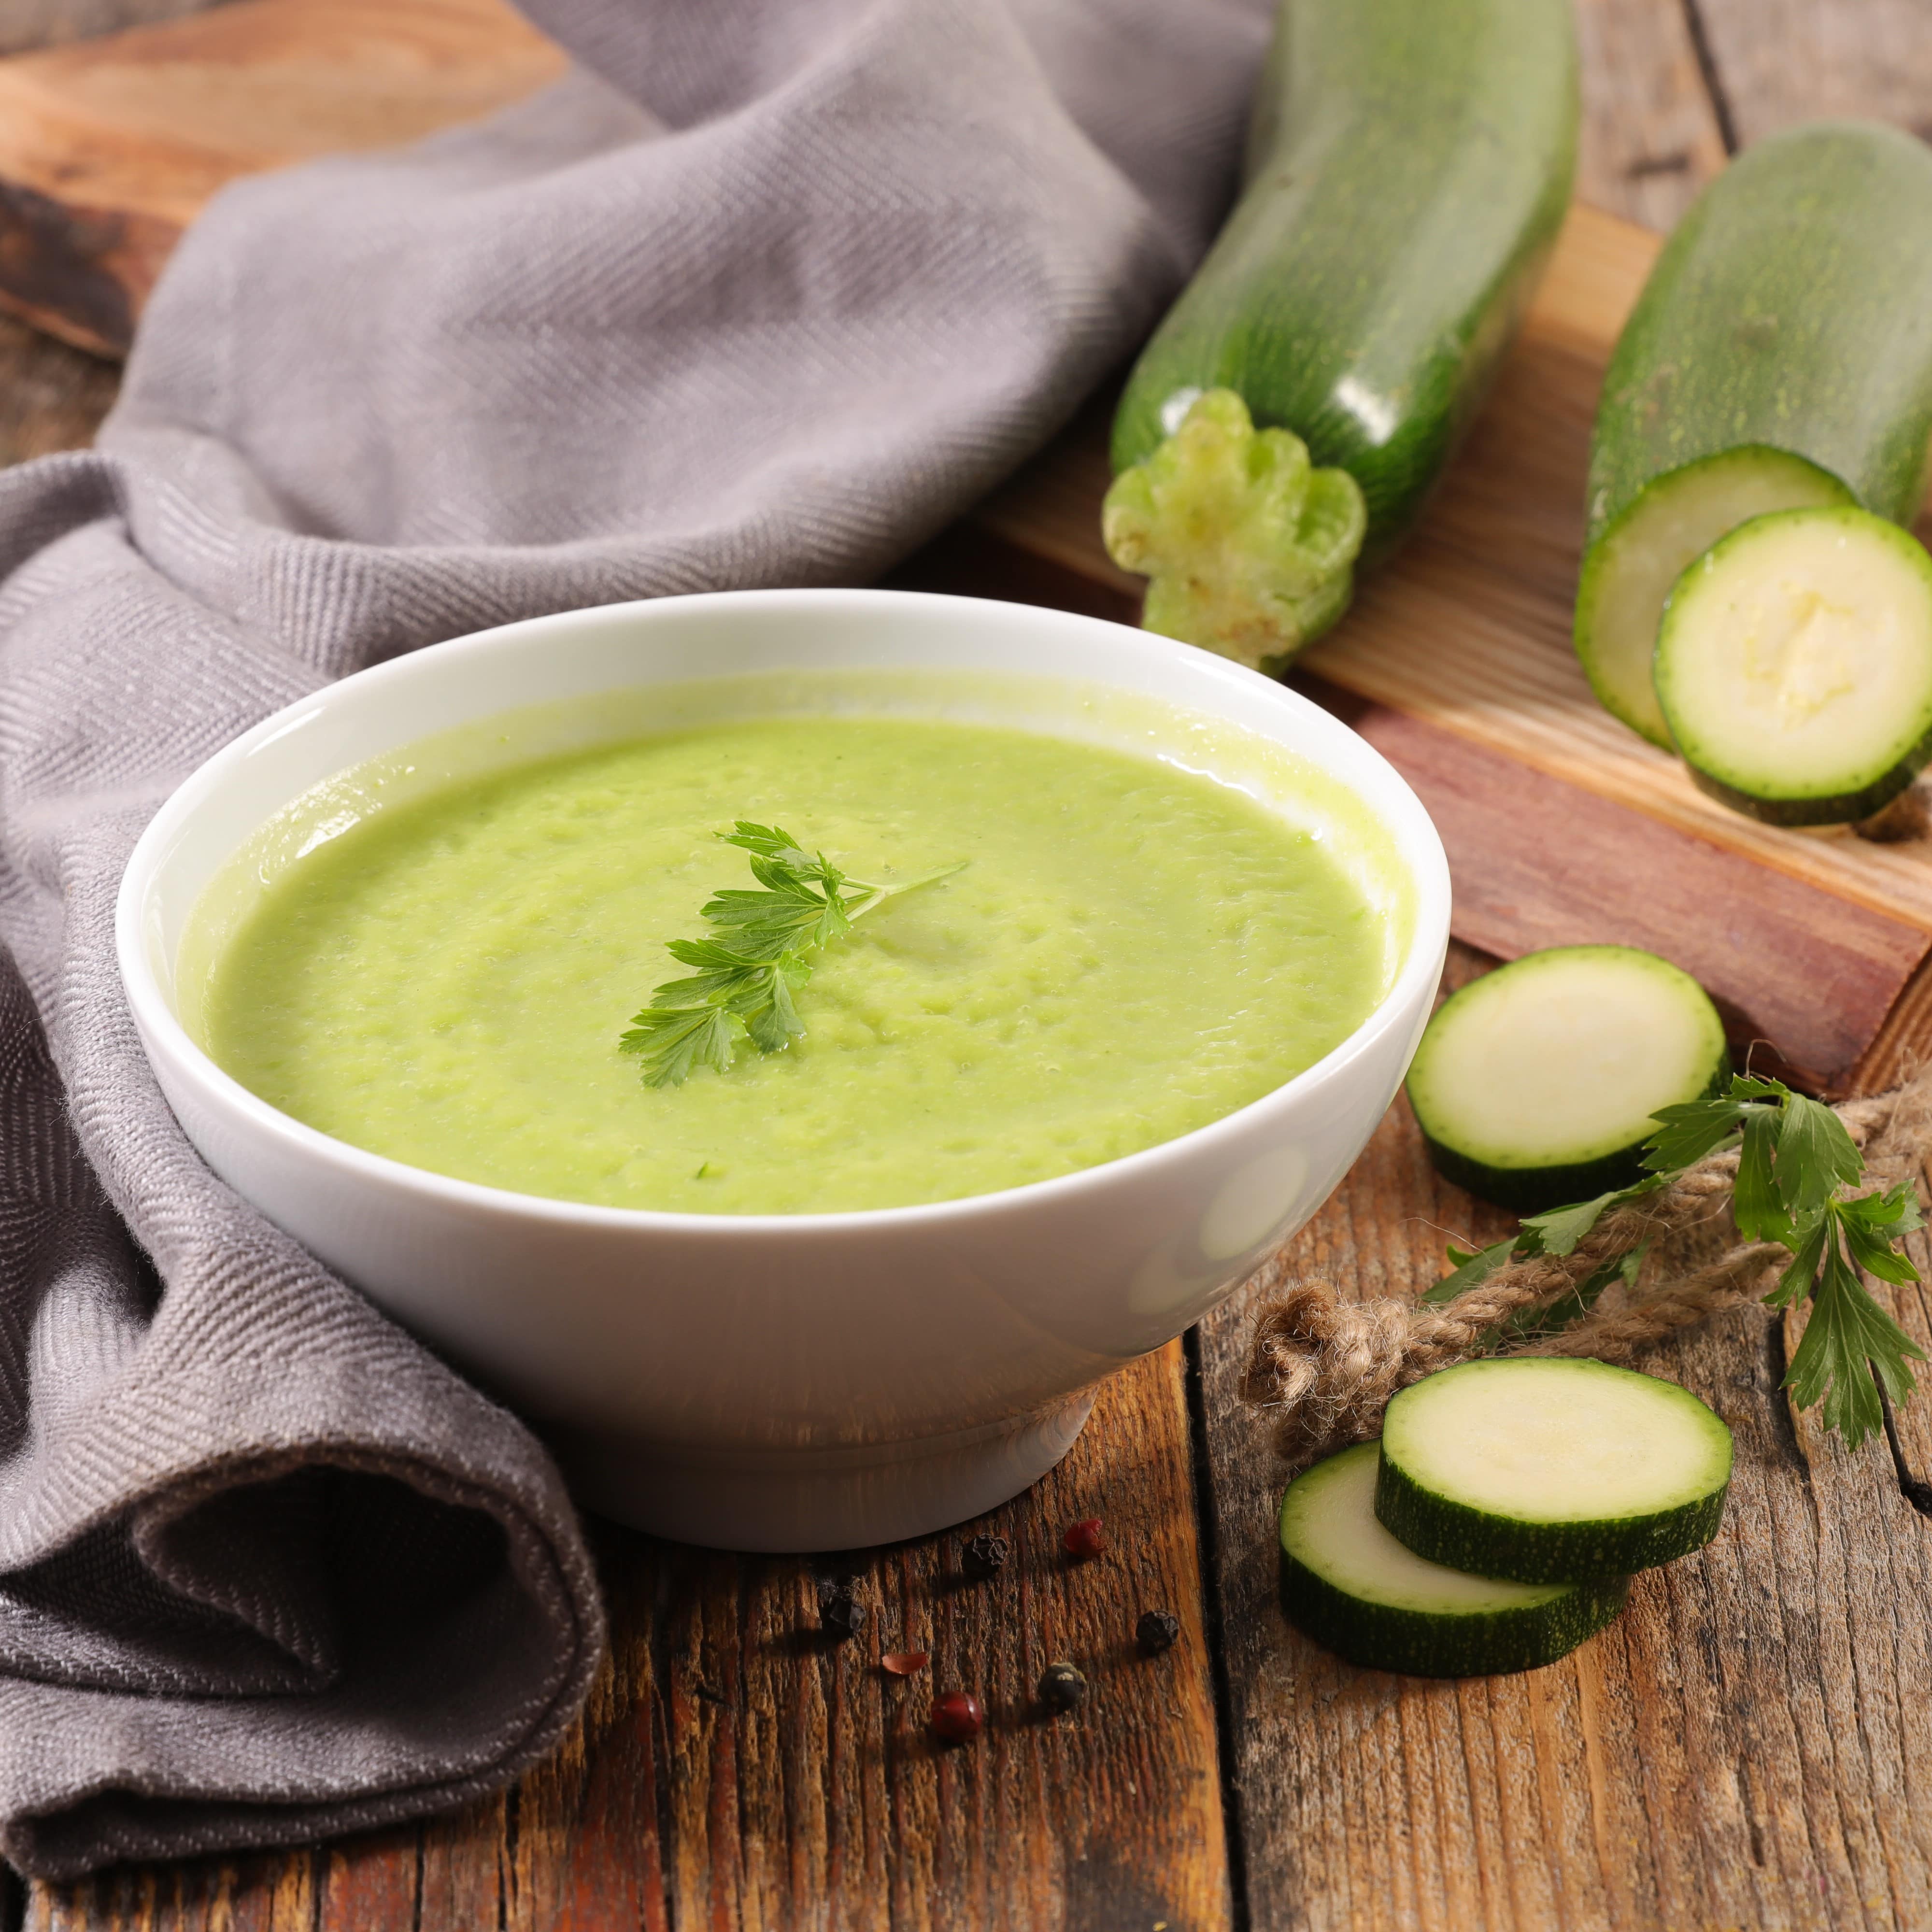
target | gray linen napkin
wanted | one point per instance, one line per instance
(764, 292)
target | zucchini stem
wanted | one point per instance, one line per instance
(1249, 549)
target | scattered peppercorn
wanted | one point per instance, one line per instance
(1156, 1631)
(986, 1556)
(1061, 1688)
(840, 1614)
(957, 1716)
(1086, 1538)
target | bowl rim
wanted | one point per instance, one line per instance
(162, 1032)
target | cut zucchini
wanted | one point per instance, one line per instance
(1408, 165)
(1631, 567)
(1794, 666)
(1786, 314)
(1537, 1084)
(1352, 1586)
(1550, 1470)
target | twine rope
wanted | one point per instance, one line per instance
(1325, 1369)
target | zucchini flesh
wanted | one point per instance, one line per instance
(1547, 1469)
(1409, 167)
(1792, 308)
(1538, 1083)
(1245, 543)
(1794, 666)
(1352, 1587)
(1631, 567)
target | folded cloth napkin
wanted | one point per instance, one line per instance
(763, 293)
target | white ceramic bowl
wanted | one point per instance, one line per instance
(806, 1381)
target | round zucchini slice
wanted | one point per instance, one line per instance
(1794, 665)
(1537, 1084)
(1548, 1469)
(1628, 571)
(1352, 1586)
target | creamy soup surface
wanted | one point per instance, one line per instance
(1132, 951)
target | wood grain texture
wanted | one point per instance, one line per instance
(735, 1770)
(1651, 137)
(26, 24)
(108, 148)
(1778, 62)
(1750, 1745)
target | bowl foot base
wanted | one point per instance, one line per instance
(807, 1499)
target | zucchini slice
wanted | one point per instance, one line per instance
(1548, 1469)
(1630, 568)
(1408, 165)
(1537, 1084)
(1352, 1586)
(1794, 666)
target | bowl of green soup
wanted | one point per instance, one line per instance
(792, 1046)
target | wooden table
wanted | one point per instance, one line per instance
(1751, 1745)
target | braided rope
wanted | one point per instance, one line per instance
(1325, 1369)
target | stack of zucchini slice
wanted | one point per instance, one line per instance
(1497, 1523)
(1747, 597)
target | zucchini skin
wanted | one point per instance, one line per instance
(1792, 306)
(1447, 1531)
(1409, 164)
(1534, 1190)
(1377, 1638)
(1847, 807)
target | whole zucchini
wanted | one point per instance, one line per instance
(1779, 358)
(1408, 165)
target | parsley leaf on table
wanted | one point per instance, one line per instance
(1794, 1159)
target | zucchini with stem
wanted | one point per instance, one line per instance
(1409, 163)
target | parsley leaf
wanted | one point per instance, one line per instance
(748, 974)
(1794, 1161)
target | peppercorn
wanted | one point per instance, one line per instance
(1156, 1631)
(1061, 1688)
(957, 1716)
(840, 1613)
(986, 1556)
(1086, 1538)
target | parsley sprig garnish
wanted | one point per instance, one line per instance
(1794, 1161)
(746, 976)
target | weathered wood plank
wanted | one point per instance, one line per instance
(1651, 138)
(1748, 1746)
(737, 1770)
(1777, 61)
(52, 397)
(108, 148)
(38, 23)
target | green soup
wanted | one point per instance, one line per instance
(1131, 951)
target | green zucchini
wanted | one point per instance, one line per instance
(1352, 1586)
(1794, 665)
(1537, 1084)
(1786, 328)
(1409, 163)
(1547, 1469)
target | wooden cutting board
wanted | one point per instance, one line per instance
(1561, 825)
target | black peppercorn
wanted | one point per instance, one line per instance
(986, 1556)
(1061, 1687)
(1156, 1631)
(840, 1614)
